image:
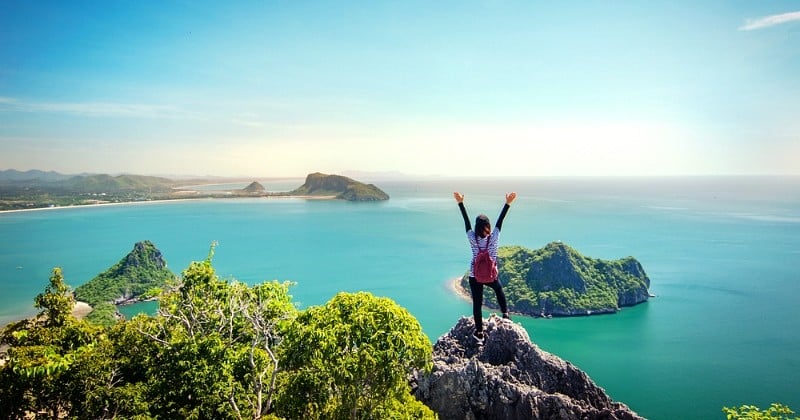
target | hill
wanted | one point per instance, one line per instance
(255, 187)
(557, 280)
(340, 187)
(107, 183)
(37, 189)
(14, 175)
(141, 273)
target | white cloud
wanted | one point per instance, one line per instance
(90, 109)
(767, 21)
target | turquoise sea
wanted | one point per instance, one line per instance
(722, 255)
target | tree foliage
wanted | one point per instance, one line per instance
(349, 359)
(56, 302)
(218, 342)
(39, 375)
(216, 349)
(776, 411)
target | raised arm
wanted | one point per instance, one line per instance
(460, 200)
(509, 199)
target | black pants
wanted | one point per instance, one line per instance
(477, 299)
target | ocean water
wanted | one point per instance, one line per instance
(722, 255)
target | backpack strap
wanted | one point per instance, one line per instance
(488, 243)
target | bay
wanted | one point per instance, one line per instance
(721, 254)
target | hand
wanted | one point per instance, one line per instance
(510, 197)
(459, 197)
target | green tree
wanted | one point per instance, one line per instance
(776, 411)
(218, 341)
(216, 349)
(45, 355)
(104, 314)
(56, 302)
(350, 359)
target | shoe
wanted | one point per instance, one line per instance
(478, 337)
(506, 317)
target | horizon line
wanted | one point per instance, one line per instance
(395, 175)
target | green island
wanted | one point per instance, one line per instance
(140, 275)
(37, 189)
(556, 280)
(341, 187)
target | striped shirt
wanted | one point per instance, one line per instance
(475, 242)
(492, 240)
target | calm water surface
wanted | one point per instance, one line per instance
(722, 255)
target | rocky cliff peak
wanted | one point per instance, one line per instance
(509, 377)
(144, 254)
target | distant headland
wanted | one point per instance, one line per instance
(36, 189)
(339, 187)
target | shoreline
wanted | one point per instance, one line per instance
(455, 287)
(79, 311)
(168, 200)
(458, 290)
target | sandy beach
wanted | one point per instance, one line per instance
(170, 200)
(458, 290)
(81, 309)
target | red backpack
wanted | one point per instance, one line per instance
(484, 267)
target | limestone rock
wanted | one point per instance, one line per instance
(508, 377)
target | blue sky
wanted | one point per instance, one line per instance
(510, 88)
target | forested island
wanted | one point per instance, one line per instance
(140, 275)
(556, 280)
(341, 187)
(38, 189)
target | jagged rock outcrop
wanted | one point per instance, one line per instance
(340, 187)
(509, 377)
(144, 254)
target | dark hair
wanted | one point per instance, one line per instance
(480, 223)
